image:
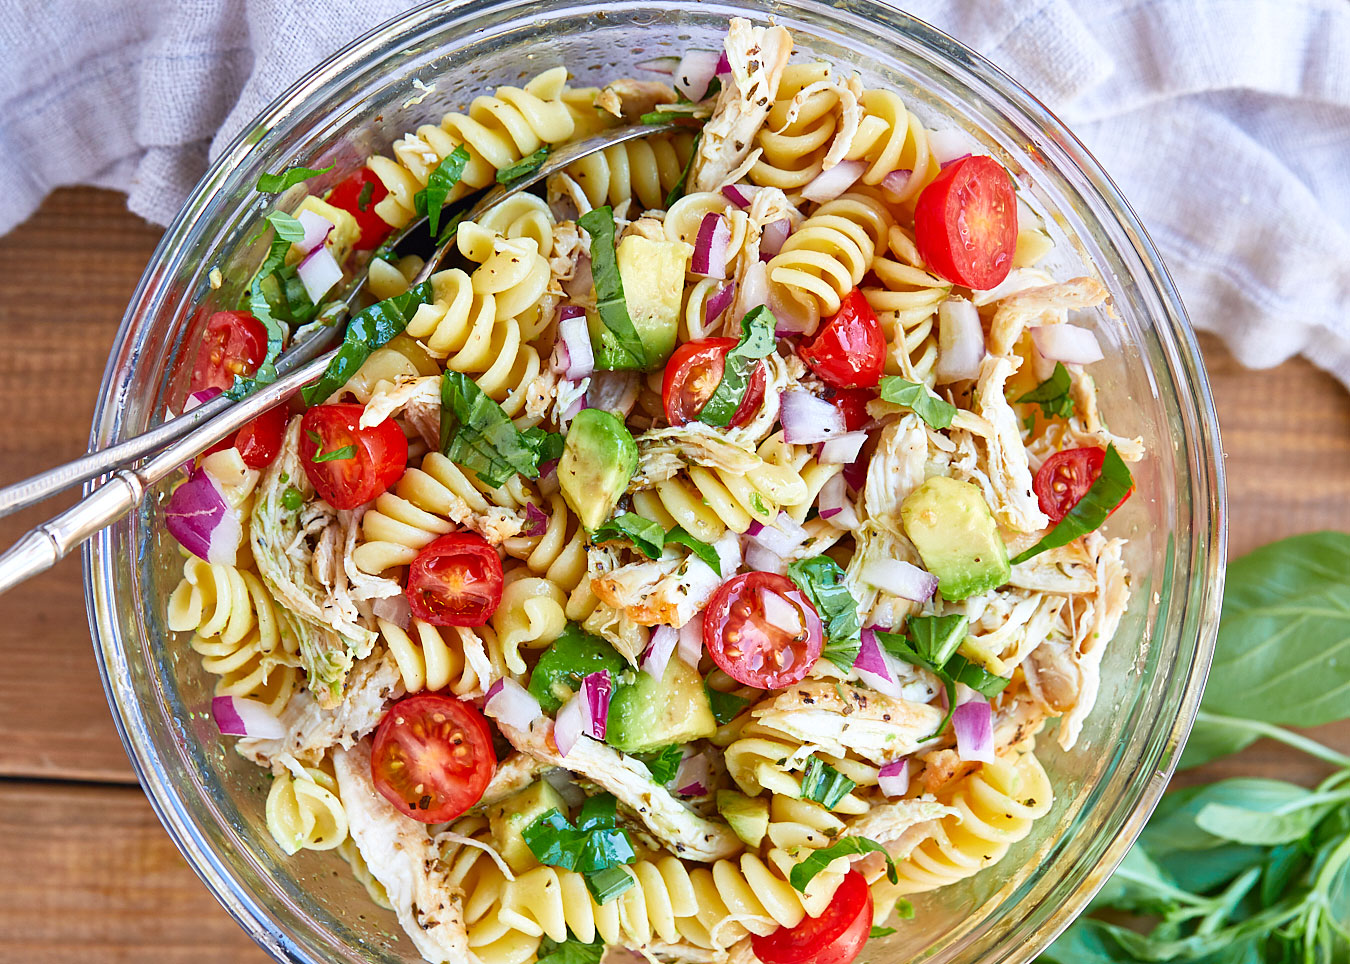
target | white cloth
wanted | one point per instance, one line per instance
(1225, 122)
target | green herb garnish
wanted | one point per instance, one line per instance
(818, 860)
(1052, 395)
(609, 297)
(287, 230)
(725, 706)
(369, 329)
(874, 932)
(824, 784)
(431, 199)
(697, 546)
(738, 365)
(336, 455)
(568, 660)
(363, 199)
(936, 638)
(646, 535)
(822, 582)
(478, 435)
(1098, 502)
(276, 183)
(663, 763)
(595, 847)
(525, 166)
(916, 396)
(677, 191)
(570, 951)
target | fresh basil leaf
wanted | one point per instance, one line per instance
(276, 183)
(697, 546)
(882, 931)
(916, 396)
(364, 198)
(287, 227)
(647, 536)
(987, 684)
(525, 166)
(570, 951)
(478, 435)
(451, 227)
(286, 231)
(824, 784)
(369, 329)
(1175, 825)
(822, 582)
(818, 860)
(738, 365)
(1215, 736)
(1261, 828)
(725, 706)
(677, 190)
(586, 849)
(553, 840)
(600, 812)
(607, 884)
(664, 763)
(548, 446)
(609, 298)
(1052, 395)
(901, 646)
(440, 182)
(336, 455)
(936, 638)
(1098, 502)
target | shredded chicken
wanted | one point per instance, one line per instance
(896, 469)
(876, 607)
(512, 775)
(669, 590)
(628, 99)
(841, 717)
(1085, 429)
(1046, 305)
(899, 826)
(663, 452)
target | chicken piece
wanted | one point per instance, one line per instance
(1086, 428)
(840, 717)
(669, 590)
(663, 452)
(1006, 625)
(1064, 569)
(876, 607)
(405, 860)
(758, 56)
(628, 99)
(899, 826)
(1046, 305)
(391, 398)
(895, 470)
(513, 774)
(686, 833)
(311, 729)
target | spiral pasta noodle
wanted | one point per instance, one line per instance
(530, 616)
(645, 169)
(304, 812)
(906, 304)
(762, 759)
(794, 147)
(795, 824)
(890, 137)
(464, 661)
(828, 255)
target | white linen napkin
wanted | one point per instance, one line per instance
(1225, 122)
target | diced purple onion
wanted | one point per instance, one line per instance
(772, 237)
(754, 287)
(718, 303)
(200, 398)
(393, 609)
(571, 723)
(728, 555)
(755, 528)
(511, 704)
(760, 558)
(782, 538)
(690, 646)
(659, 648)
(960, 341)
(875, 666)
(1067, 343)
(808, 418)
(317, 228)
(695, 73)
(536, 523)
(598, 688)
(780, 613)
(842, 449)
(739, 194)
(576, 339)
(570, 311)
(576, 406)
(202, 521)
(950, 146)
(900, 578)
(855, 474)
(692, 776)
(893, 778)
(581, 282)
(835, 506)
(828, 185)
(660, 65)
(711, 246)
(893, 185)
(236, 716)
(974, 725)
(723, 65)
(318, 272)
(548, 478)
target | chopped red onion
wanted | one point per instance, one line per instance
(317, 228)
(710, 248)
(772, 237)
(951, 145)
(690, 646)
(855, 474)
(783, 537)
(960, 341)
(1067, 343)
(723, 65)
(893, 778)
(899, 578)
(893, 185)
(728, 554)
(842, 449)
(581, 283)
(875, 666)
(692, 776)
(718, 303)
(318, 272)
(755, 528)
(828, 185)
(393, 609)
(754, 287)
(660, 65)
(576, 339)
(974, 725)
(598, 688)
(536, 523)
(577, 405)
(659, 648)
(780, 613)
(762, 559)
(807, 418)
(200, 398)
(201, 519)
(835, 506)
(570, 311)
(511, 704)
(1041, 367)
(695, 72)
(236, 716)
(548, 478)
(571, 723)
(739, 194)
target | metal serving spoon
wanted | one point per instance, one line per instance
(179, 440)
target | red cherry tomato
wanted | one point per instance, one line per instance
(692, 375)
(849, 351)
(1064, 479)
(350, 465)
(432, 757)
(747, 633)
(965, 222)
(835, 937)
(235, 343)
(358, 194)
(852, 402)
(455, 581)
(260, 440)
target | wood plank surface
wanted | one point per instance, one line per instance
(86, 872)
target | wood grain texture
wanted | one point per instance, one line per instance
(113, 888)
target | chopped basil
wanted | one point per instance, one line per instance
(569, 659)
(757, 341)
(1098, 502)
(697, 546)
(725, 706)
(955, 669)
(451, 227)
(646, 535)
(874, 932)
(609, 883)
(976, 677)
(916, 396)
(824, 784)
(1052, 395)
(570, 951)
(677, 191)
(937, 637)
(525, 166)
(548, 444)
(664, 763)
(594, 848)
(818, 860)
(368, 330)
(363, 199)
(287, 231)
(336, 455)
(276, 183)
(901, 646)
(688, 110)
(440, 183)
(478, 435)
(609, 299)
(386, 252)
(822, 582)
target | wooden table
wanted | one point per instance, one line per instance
(86, 872)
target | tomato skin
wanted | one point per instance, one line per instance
(347, 195)
(455, 581)
(835, 937)
(746, 647)
(234, 343)
(1064, 479)
(965, 223)
(692, 375)
(260, 440)
(380, 454)
(849, 351)
(417, 758)
(852, 402)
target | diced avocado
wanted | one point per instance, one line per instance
(653, 286)
(572, 655)
(748, 817)
(599, 458)
(346, 232)
(949, 523)
(509, 818)
(649, 713)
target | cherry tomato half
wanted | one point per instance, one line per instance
(260, 440)
(235, 343)
(965, 222)
(755, 638)
(693, 374)
(852, 402)
(455, 581)
(350, 465)
(849, 351)
(1064, 479)
(432, 757)
(835, 937)
(357, 194)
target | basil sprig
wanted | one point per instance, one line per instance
(931, 641)
(570, 951)
(525, 166)
(916, 396)
(802, 873)
(431, 199)
(757, 341)
(1052, 395)
(276, 183)
(478, 435)
(287, 230)
(596, 847)
(1099, 501)
(822, 582)
(649, 538)
(725, 706)
(824, 784)
(610, 303)
(369, 329)
(664, 763)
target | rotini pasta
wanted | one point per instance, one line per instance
(530, 616)
(906, 304)
(828, 255)
(800, 128)
(642, 170)
(304, 812)
(464, 661)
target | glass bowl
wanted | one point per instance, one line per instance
(309, 908)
